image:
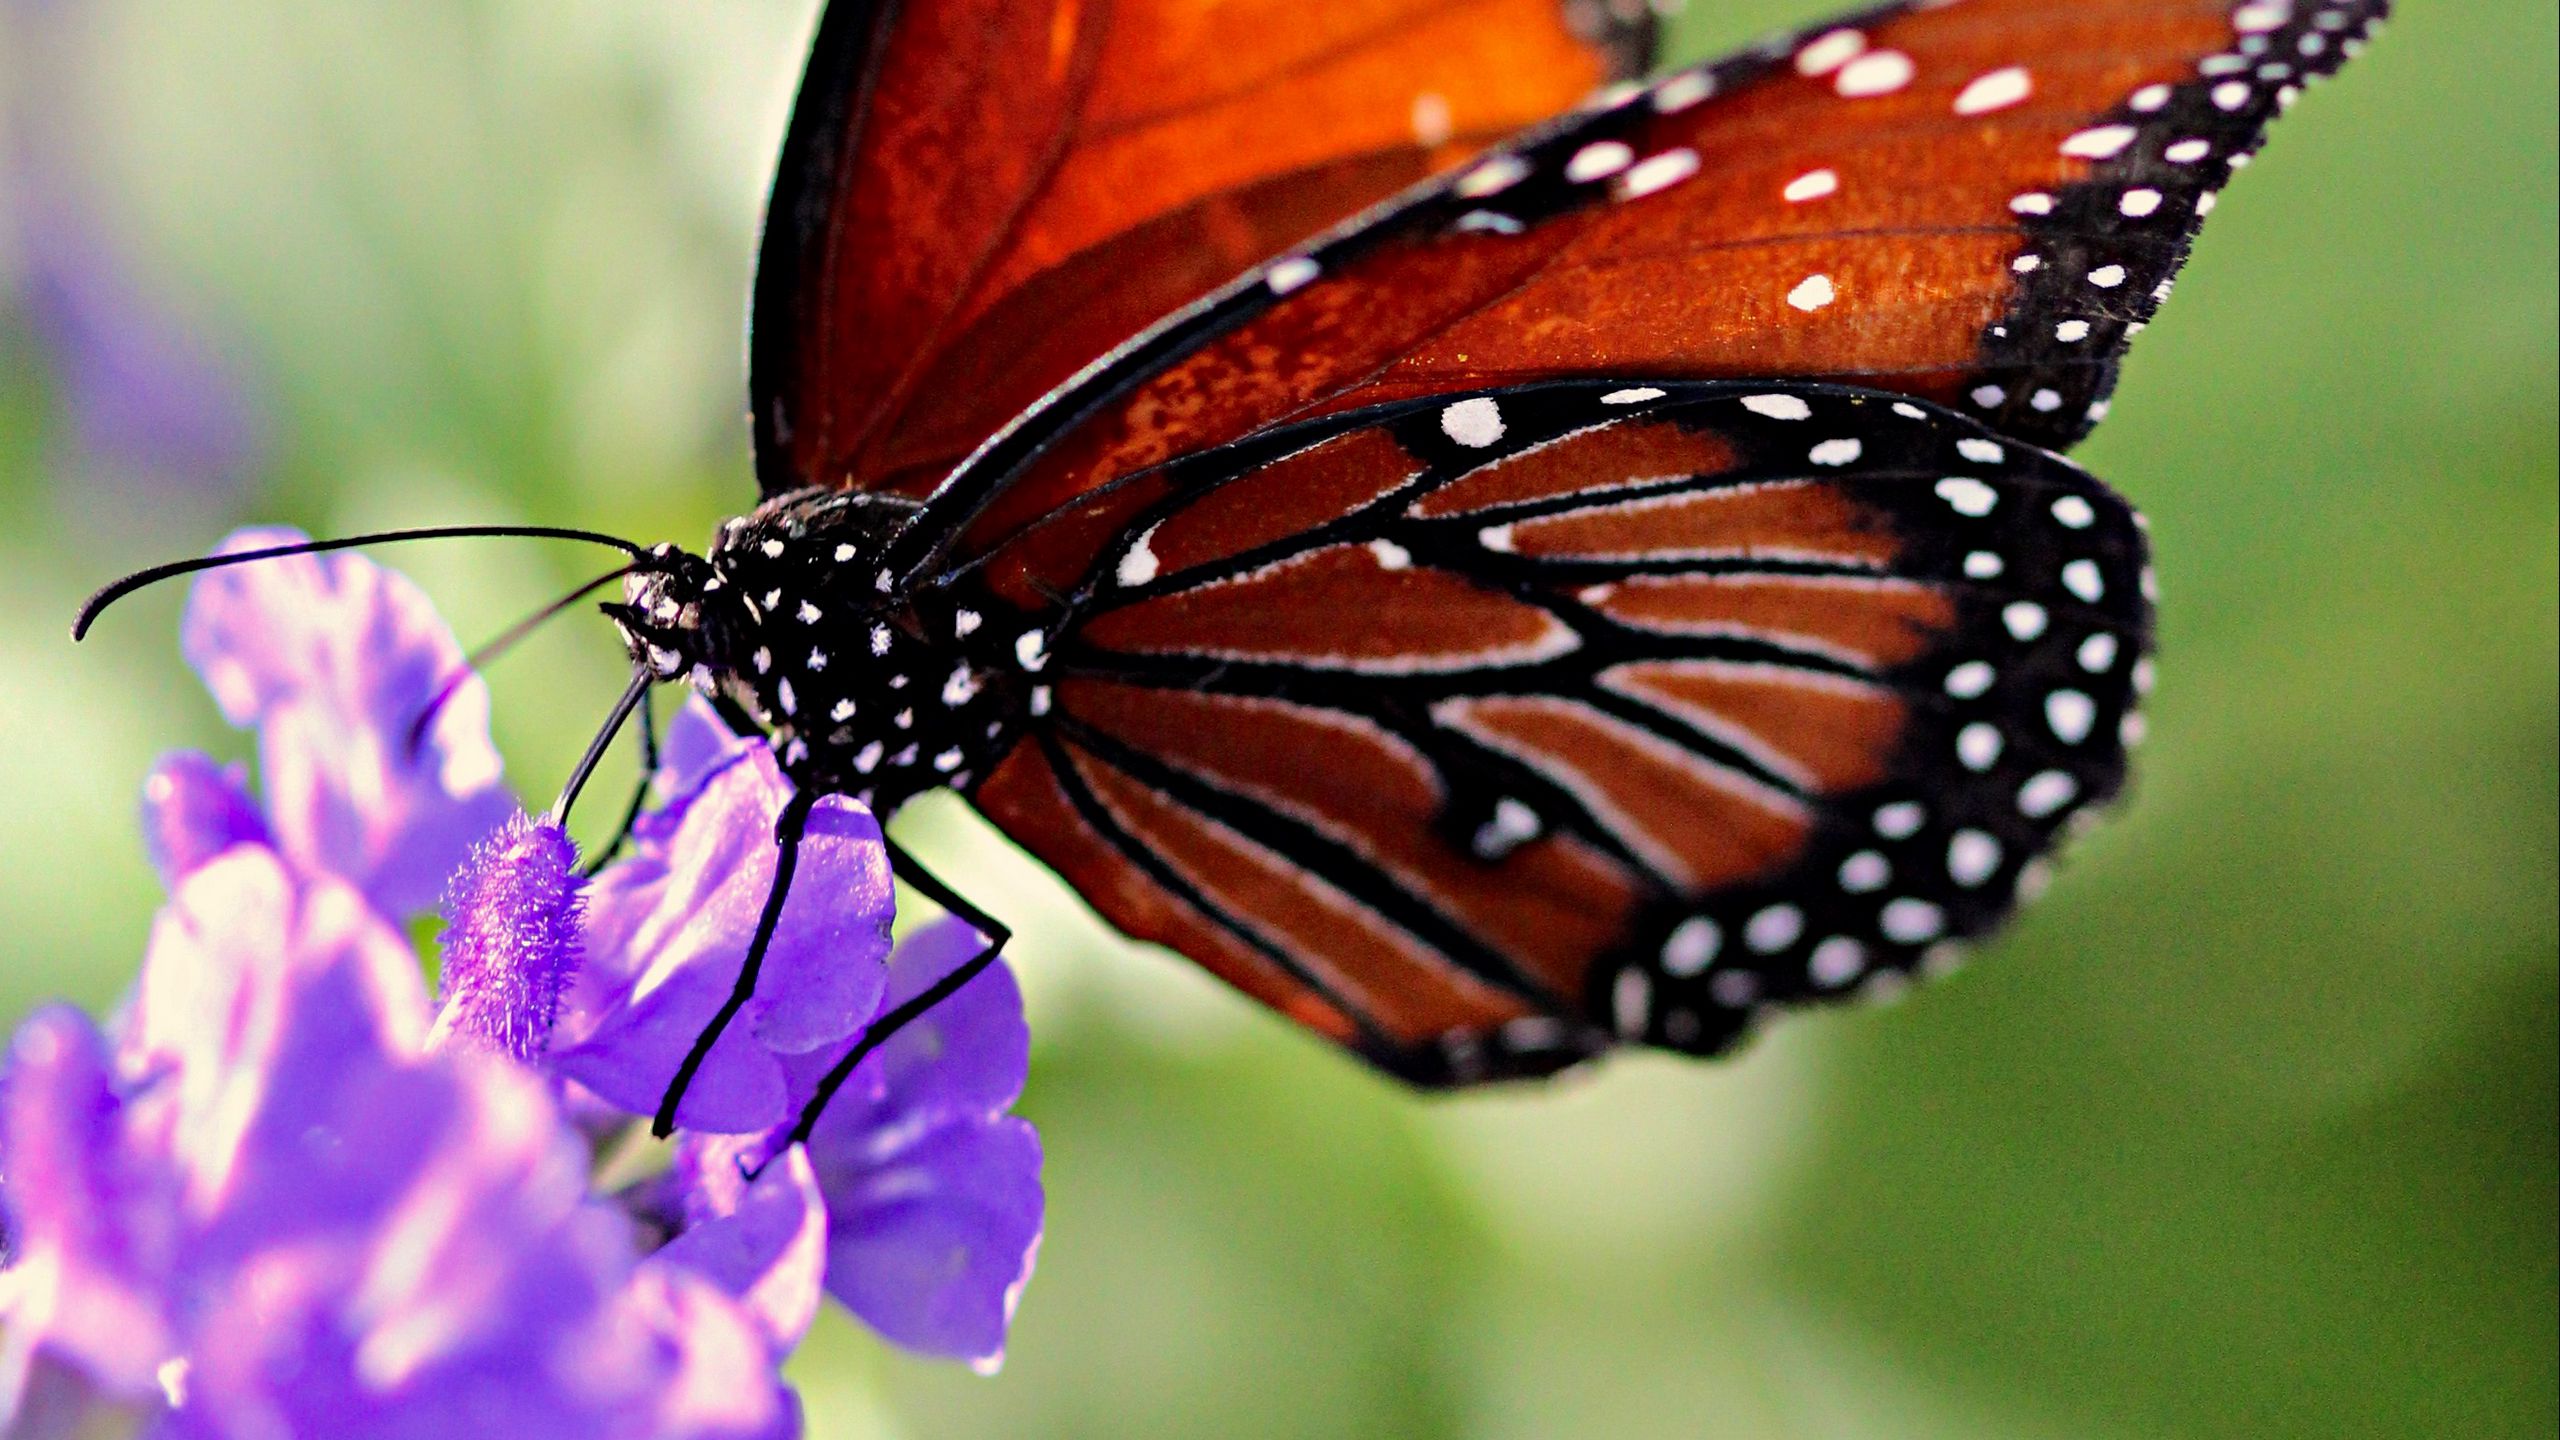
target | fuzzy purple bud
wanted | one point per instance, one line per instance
(511, 941)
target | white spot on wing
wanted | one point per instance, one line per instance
(2100, 142)
(2261, 16)
(1294, 273)
(1910, 922)
(1812, 293)
(1492, 176)
(1879, 72)
(1967, 496)
(1474, 423)
(1996, 90)
(1630, 1002)
(1978, 745)
(1836, 961)
(2081, 578)
(1692, 946)
(1777, 407)
(1598, 161)
(1682, 91)
(1812, 185)
(1972, 858)
(1139, 565)
(1900, 820)
(1829, 52)
(2071, 714)
(2046, 792)
(1657, 172)
(1773, 929)
(1865, 873)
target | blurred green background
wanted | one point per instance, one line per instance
(2248, 1130)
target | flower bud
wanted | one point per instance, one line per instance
(510, 942)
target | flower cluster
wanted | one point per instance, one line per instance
(284, 1192)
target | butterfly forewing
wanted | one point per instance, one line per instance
(1975, 203)
(1560, 713)
(978, 197)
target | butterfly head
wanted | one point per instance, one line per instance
(674, 615)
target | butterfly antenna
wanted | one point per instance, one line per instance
(489, 651)
(109, 594)
(641, 680)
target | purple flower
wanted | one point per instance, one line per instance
(284, 1195)
(333, 658)
(932, 1190)
(933, 1197)
(273, 1212)
(668, 929)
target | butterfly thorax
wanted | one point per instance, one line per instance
(867, 687)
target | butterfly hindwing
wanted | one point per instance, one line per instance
(1553, 715)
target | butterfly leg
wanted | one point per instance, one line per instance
(906, 867)
(787, 830)
(639, 793)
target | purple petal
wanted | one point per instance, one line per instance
(91, 1220)
(468, 1287)
(713, 1377)
(348, 1236)
(698, 746)
(334, 658)
(968, 1055)
(668, 930)
(511, 941)
(762, 1241)
(933, 1193)
(932, 1242)
(194, 808)
(259, 991)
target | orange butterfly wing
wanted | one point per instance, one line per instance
(978, 197)
(1490, 630)
(1977, 203)
(1479, 733)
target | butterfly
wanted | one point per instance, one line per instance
(1494, 557)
